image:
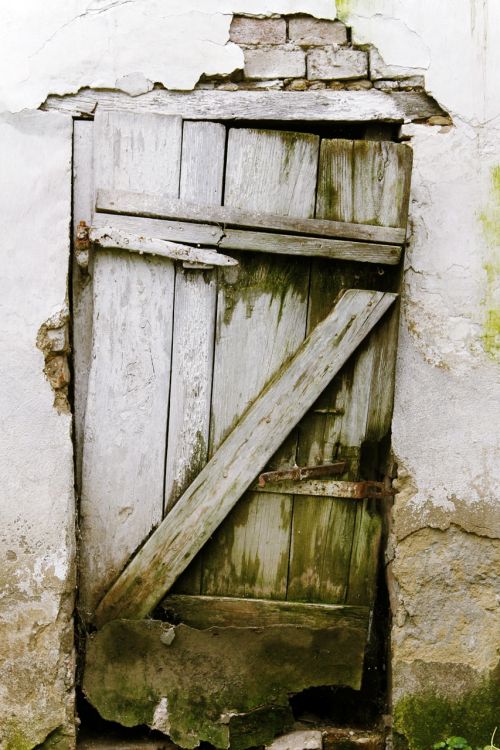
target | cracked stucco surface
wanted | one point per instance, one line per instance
(59, 47)
(444, 545)
(37, 529)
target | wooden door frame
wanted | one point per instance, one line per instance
(372, 106)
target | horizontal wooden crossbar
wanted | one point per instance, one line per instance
(224, 611)
(166, 207)
(212, 235)
(109, 237)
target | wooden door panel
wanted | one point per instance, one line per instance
(202, 165)
(128, 384)
(261, 322)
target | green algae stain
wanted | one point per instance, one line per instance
(343, 9)
(490, 219)
(424, 718)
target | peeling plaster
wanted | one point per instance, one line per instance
(455, 43)
(59, 48)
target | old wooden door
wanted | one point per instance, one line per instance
(262, 344)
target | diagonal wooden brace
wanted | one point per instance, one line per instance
(242, 456)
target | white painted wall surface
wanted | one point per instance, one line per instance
(36, 460)
(447, 402)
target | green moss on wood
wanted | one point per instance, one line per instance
(424, 718)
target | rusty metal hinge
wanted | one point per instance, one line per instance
(82, 245)
(296, 473)
(369, 489)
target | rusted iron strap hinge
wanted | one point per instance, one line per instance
(296, 473)
(368, 489)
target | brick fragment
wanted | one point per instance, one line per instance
(314, 32)
(257, 30)
(274, 63)
(337, 63)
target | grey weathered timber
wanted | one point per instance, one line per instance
(365, 252)
(212, 235)
(263, 427)
(262, 312)
(128, 385)
(224, 611)
(335, 188)
(202, 168)
(381, 182)
(109, 237)
(83, 199)
(326, 106)
(163, 207)
(206, 235)
(248, 554)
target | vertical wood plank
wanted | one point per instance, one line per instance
(335, 180)
(320, 549)
(382, 173)
(128, 386)
(339, 540)
(322, 527)
(194, 320)
(261, 321)
(202, 175)
(251, 549)
(83, 192)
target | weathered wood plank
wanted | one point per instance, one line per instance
(382, 173)
(231, 470)
(248, 555)
(205, 235)
(163, 207)
(202, 172)
(127, 402)
(262, 311)
(321, 549)
(110, 237)
(323, 106)
(83, 199)
(365, 252)
(381, 187)
(211, 235)
(335, 189)
(219, 611)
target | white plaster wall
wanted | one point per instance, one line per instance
(447, 387)
(36, 463)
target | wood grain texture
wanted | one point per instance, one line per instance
(262, 310)
(163, 207)
(127, 401)
(202, 167)
(109, 237)
(381, 182)
(207, 235)
(218, 611)
(321, 106)
(248, 555)
(264, 426)
(83, 198)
